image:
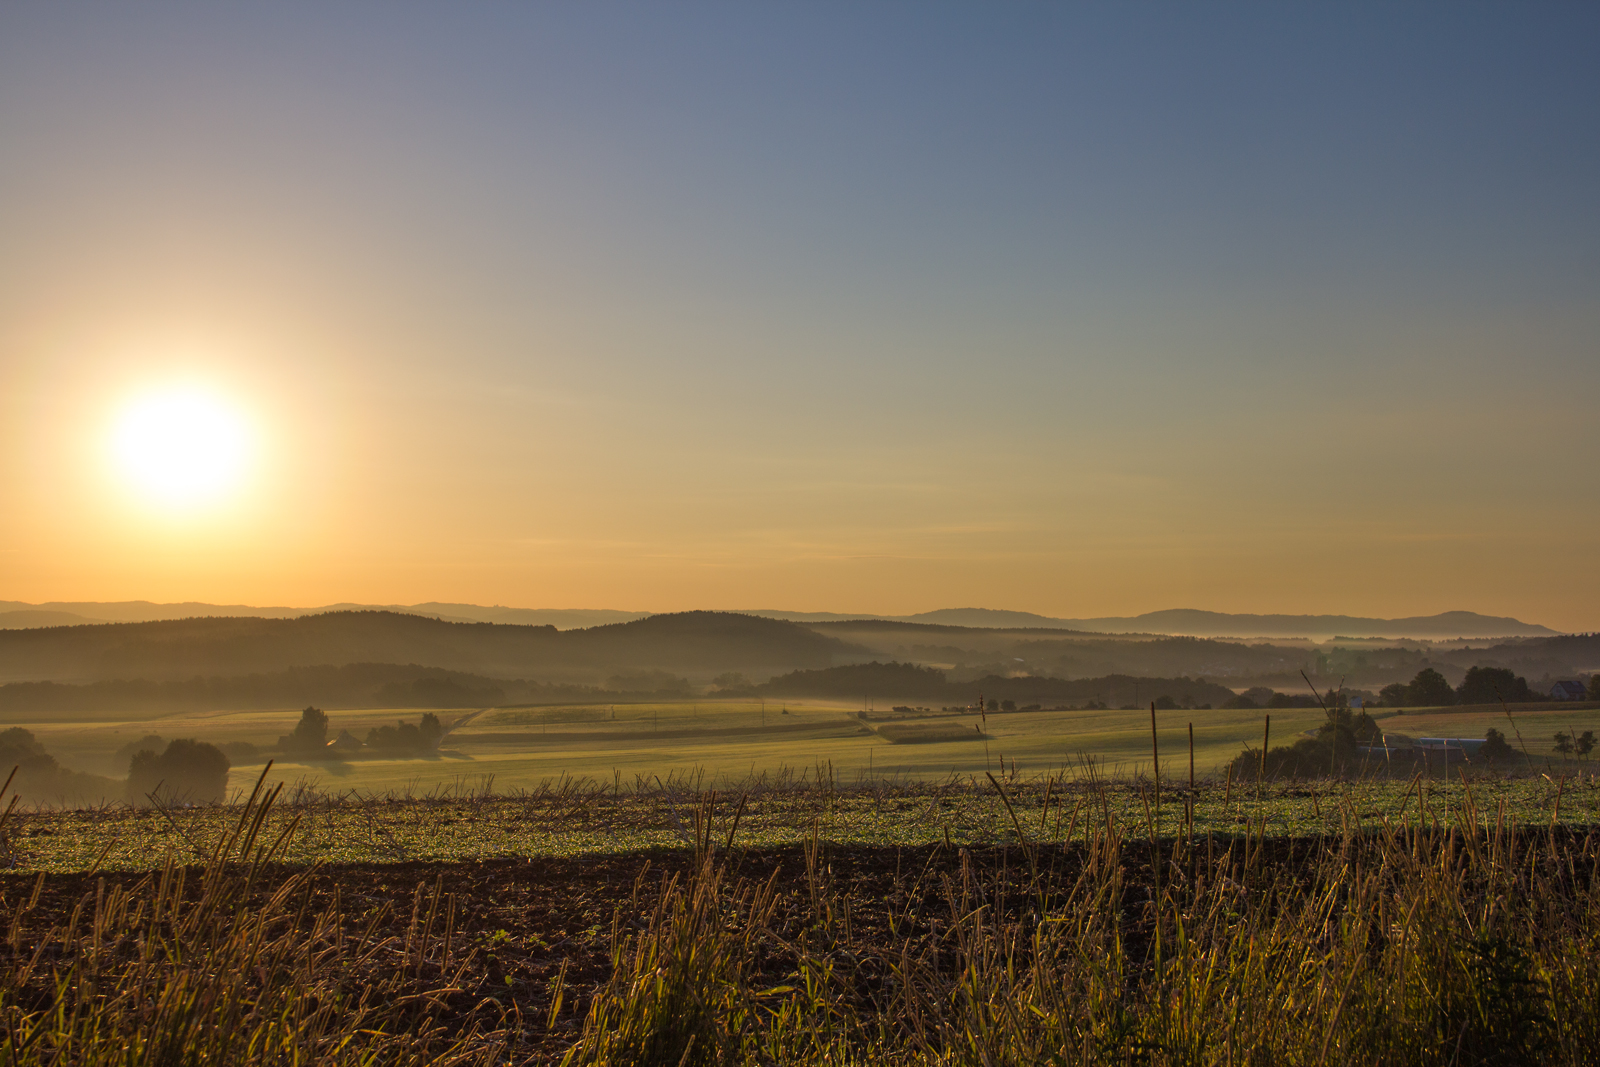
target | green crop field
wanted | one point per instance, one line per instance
(588, 817)
(728, 740)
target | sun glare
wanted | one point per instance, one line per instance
(181, 447)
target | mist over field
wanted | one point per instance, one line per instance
(524, 701)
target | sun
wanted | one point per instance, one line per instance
(182, 446)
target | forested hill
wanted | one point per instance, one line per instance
(697, 641)
(909, 682)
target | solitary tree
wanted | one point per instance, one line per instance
(1585, 743)
(1564, 744)
(431, 729)
(311, 732)
(1428, 689)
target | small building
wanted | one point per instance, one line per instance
(1568, 691)
(346, 744)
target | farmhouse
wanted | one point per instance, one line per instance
(346, 744)
(1568, 691)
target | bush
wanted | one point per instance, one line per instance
(1306, 758)
(1345, 730)
(1336, 746)
(1494, 746)
(188, 771)
(406, 738)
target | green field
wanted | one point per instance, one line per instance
(459, 822)
(729, 741)
(586, 817)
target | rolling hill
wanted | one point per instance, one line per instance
(699, 642)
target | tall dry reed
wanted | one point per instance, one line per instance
(230, 964)
(1441, 942)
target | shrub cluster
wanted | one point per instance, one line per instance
(1336, 746)
(407, 738)
(186, 771)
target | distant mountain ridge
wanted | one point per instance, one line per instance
(1187, 622)
(15, 615)
(1191, 622)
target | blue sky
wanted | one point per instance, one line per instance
(1080, 309)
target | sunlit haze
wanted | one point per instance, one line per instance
(180, 447)
(1074, 309)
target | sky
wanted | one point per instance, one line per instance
(1085, 309)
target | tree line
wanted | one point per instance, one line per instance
(1481, 685)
